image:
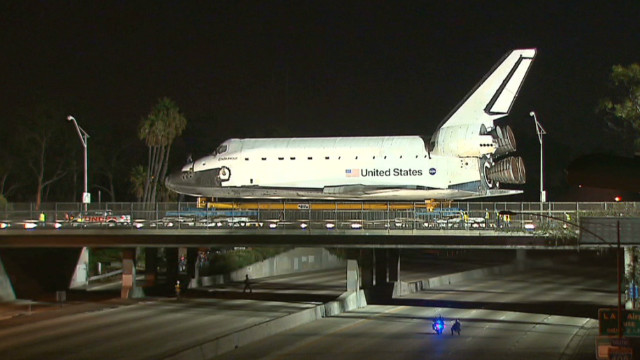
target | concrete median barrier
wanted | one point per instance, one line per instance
(405, 288)
(347, 301)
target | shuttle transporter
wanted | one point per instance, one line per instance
(467, 157)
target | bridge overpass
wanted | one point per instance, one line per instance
(374, 236)
(384, 239)
(548, 225)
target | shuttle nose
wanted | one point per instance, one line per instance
(172, 181)
(183, 182)
(195, 183)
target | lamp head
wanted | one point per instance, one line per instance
(532, 114)
(70, 118)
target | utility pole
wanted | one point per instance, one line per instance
(540, 131)
(86, 196)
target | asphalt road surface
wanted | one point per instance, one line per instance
(540, 313)
(156, 328)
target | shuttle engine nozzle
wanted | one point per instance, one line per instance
(506, 141)
(508, 171)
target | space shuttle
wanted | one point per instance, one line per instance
(469, 156)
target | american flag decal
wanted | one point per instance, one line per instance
(352, 172)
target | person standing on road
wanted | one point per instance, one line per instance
(465, 217)
(486, 218)
(247, 284)
(178, 290)
(456, 327)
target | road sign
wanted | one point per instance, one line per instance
(620, 353)
(613, 347)
(619, 342)
(608, 321)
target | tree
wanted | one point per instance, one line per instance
(622, 110)
(116, 159)
(159, 129)
(6, 167)
(9, 159)
(138, 178)
(46, 150)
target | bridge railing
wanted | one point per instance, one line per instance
(478, 215)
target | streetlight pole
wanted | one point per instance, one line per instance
(618, 257)
(540, 131)
(86, 197)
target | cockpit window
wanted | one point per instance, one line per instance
(221, 149)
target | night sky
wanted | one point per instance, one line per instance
(322, 68)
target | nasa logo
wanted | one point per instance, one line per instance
(432, 171)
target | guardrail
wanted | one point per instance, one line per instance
(344, 215)
(105, 276)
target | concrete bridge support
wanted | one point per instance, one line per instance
(6, 290)
(130, 288)
(192, 265)
(393, 265)
(379, 270)
(353, 275)
(366, 263)
(172, 267)
(151, 266)
(80, 279)
(172, 273)
(37, 273)
(387, 269)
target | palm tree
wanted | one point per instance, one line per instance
(138, 178)
(164, 123)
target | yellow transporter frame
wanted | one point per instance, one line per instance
(428, 204)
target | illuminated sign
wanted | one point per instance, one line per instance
(382, 172)
(608, 321)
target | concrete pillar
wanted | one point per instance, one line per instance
(80, 278)
(129, 290)
(192, 265)
(6, 290)
(38, 272)
(151, 266)
(192, 256)
(380, 259)
(393, 264)
(172, 266)
(367, 268)
(353, 280)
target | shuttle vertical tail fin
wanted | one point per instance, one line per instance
(494, 95)
(460, 132)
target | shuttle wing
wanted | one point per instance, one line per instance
(494, 95)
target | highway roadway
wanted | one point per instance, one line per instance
(543, 313)
(535, 314)
(155, 328)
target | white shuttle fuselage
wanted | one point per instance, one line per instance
(467, 157)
